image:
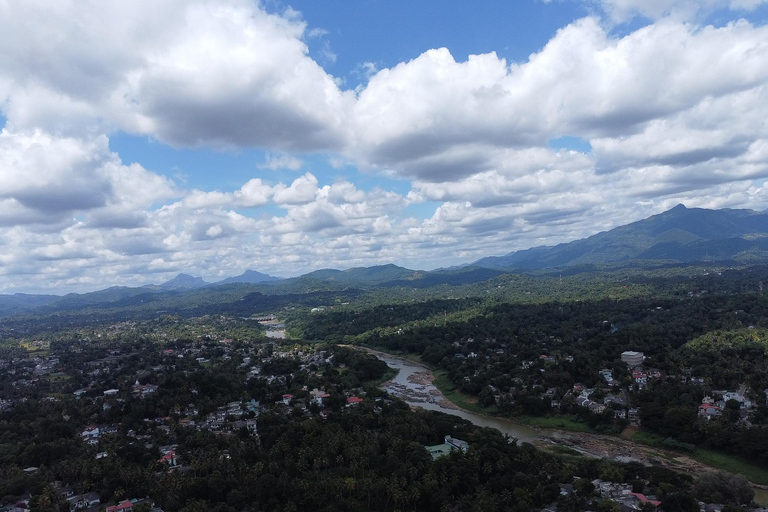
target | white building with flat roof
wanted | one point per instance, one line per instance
(632, 358)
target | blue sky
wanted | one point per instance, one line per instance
(382, 33)
(212, 137)
(386, 33)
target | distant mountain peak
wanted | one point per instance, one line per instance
(184, 281)
(250, 277)
(186, 278)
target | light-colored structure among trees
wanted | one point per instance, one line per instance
(632, 358)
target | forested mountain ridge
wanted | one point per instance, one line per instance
(678, 235)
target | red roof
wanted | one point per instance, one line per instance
(287, 396)
(168, 457)
(642, 498)
(354, 400)
(124, 505)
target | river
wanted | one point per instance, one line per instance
(413, 384)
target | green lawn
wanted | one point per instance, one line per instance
(761, 497)
(565, 454)
(732, 464)
(35, 350)
(647, 438)
(555, 422)
(717, 460)
(462, 400)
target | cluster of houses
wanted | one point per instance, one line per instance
(625, 500)
(234, 417)
(86, 502)
(91, 501)
(640, 375)
(228, 418)
(117, 374)
(714, 407)
(45, 366)
(616, 402)
(142, 390)
(621, 494)
(25, 372)
(92, 434)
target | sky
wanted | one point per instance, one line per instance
(143, 139)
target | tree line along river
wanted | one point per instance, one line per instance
(413, 384)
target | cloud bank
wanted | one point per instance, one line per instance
(674, 112)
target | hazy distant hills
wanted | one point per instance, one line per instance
(450, 277)
(370, 275)
(180, 282)
(390, 276)
(22, 302)
(188, 282)
(680, 235)
(124, 296)
(251, 277)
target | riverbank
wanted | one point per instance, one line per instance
(470, 403)
(558, 434)
(640, 446)
(414, 384)
(419, 385)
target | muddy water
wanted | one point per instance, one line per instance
(413, 384)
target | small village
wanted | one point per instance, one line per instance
(94, 386)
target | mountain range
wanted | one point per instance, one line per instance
(187, 282)
(678, 236)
